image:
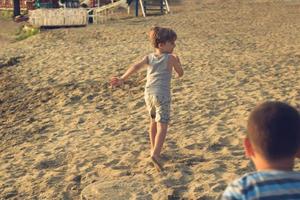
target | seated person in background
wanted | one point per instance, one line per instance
(272, 143)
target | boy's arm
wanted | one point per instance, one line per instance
(134, 68)
(115, 81)
(175, 63)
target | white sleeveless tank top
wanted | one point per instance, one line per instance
(158, 75)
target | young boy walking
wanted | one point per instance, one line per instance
(160, 65)
(272, 143)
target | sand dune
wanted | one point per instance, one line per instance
(65, 134)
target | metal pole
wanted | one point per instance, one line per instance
(17, 10)
(136, 8)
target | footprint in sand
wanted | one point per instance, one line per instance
(10, 194)
(91, 97)
(112, 162)
(43, 129)
(81, 120)
(215, 147)
(191, 161)
(46, 164)
(194, 146)
(75, 99)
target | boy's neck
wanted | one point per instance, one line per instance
(159, 52)
(262, 164)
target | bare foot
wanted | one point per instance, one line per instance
(156, 163)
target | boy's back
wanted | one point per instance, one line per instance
(272, 143)
(265, 185)
(158, 75)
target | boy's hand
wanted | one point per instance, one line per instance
(116, 81)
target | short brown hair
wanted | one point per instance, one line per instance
(274, 130)
(161, 35)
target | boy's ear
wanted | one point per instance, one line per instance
(160, 45)
(249, 152)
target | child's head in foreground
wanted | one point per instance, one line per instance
(160, 37)
(273, 132)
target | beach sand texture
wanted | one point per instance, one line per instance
(65, 134)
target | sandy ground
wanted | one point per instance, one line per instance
(65, 134)
(8, 30)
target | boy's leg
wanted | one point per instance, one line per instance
(162, 112)
(152, 126)
(152, 133)
(159, 139)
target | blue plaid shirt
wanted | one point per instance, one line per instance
(265, 185)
